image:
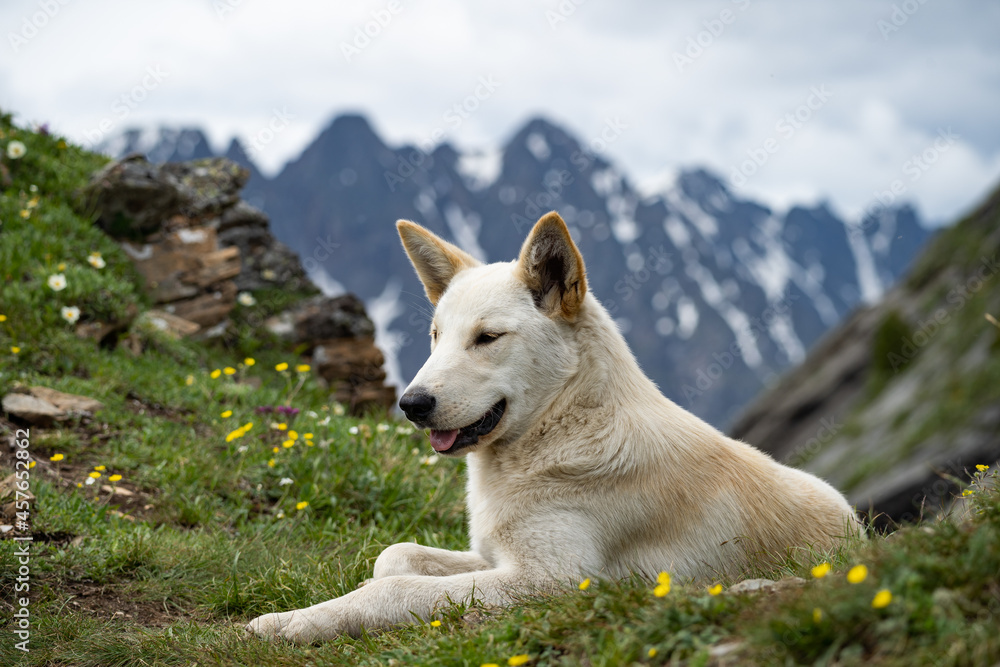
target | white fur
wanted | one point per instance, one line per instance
(591, 472)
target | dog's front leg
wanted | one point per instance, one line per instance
(408, 558)
(384, 603)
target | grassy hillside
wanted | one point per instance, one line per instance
(224, 487)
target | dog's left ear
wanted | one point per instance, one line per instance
(552, 267)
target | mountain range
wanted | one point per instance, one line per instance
(717, 294)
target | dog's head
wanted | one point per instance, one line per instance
(503, 339)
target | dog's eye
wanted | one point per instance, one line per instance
(486, 338)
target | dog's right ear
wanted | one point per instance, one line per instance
(435, 260)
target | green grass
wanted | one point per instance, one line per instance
(210, 537)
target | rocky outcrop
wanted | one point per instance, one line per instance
(198, 245)
(341, 340)
(189, 234)
(897, 405)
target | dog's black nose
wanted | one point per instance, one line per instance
(417, 405)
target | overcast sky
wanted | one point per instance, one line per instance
(692, 83)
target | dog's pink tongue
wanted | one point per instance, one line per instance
(443, 440)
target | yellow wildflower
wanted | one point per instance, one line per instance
(271, 463)
(282, 426)
(25, 213)
(249, 361)
(31, 465)
(821, 570)
(229, 370)
(247, 426)
(435, 623)
(14, 349)
(817, 615)
(115, 478)
(281, 367)
(275, 449)
(651, 653)
(967, 492)
(56, 457)
(882, 599)
(489, 664)
(189, 380)
(857, 574)
(516, 660)
(663, 585)
(302, 368)
(226, 414)
(288, 443)
(3, 318)
(307, 436)
(585, 584)
(715, 590)
(215, 374)
(95, 475)
(100, 468)
(979, 466)
(302, 504)
(61, 266)
(237, 433)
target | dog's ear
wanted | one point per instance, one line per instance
(435, 260)
(552, 267)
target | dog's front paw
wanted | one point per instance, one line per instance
(299, 626)
(268, 626)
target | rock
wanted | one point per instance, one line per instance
(68, 403)
(30, 409)
(326, 318)
(757, 585)
(266, 261)
(43, 406)
(172, 324)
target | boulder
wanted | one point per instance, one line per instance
(43, 406)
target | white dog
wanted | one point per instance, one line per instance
(578, 466)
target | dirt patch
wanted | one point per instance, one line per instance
(118, 602)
